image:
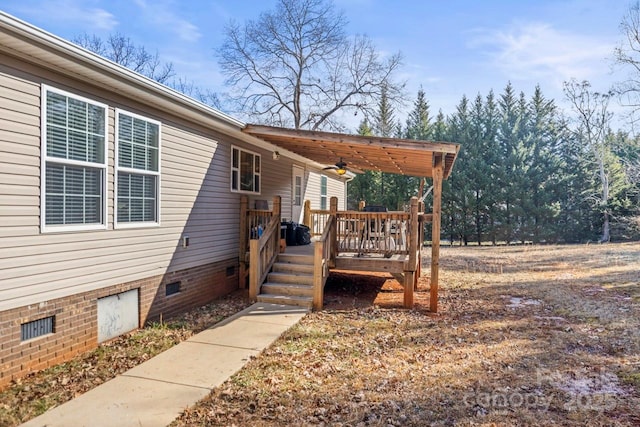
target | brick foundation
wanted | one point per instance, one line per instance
(75, 324)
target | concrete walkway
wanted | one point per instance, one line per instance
(157, 391)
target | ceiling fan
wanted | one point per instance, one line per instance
(340, 167)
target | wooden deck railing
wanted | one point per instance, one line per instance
(315, 219)
(373, 232)
(394, 235)
(323, 259)
(263, 252)
(253, 225)
(257, 220)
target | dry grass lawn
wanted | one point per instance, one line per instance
(526, 335)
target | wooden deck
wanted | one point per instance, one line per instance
(345, 240)
(396, 263)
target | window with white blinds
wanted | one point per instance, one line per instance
(74, 161)
(138, 170)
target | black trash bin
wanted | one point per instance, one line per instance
(291, 232)
(297, 234)
(303, 234)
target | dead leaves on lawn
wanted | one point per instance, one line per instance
(546, 335)
(521, 339)
(33, 395)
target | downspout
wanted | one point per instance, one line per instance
(350, 177)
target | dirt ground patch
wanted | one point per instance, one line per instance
(535, 335)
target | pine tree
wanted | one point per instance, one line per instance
(491, 157)
(440, 132)
(541, 176)
(459, 209)
(419, 121)
(418, 127)
(364, 185)
(385, 126)
(476, 165)
(507, 176)
(575, 219)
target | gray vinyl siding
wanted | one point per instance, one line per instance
(195, 200)
(335, 188)
(19, 158)
(276, 179)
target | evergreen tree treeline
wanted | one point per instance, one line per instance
(522, 175)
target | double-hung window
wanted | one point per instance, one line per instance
(74, 162)
(245, 171)
(137, 170)
(323, 192)
(297, 191)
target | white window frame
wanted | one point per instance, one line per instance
(118, 169)
(233, 169)
(45, 158)
(323, 197)
(297, 190)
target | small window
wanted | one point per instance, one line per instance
(172, 288)
(36, 328)
(323, 192)
(297, 191)
(74, 162)
(245, 171)
(138, 170)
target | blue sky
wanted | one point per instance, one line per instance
(450, 48)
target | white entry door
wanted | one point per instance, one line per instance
(297, 191)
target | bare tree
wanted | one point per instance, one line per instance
(627, 57)
(295, 66)
(121, 49)
(594, 127)
(189, 88)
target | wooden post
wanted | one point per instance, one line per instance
(306, 217)
(318, 289)
(244, 240)
(420, 241)
(435, 229)
(333, 237)
(414, 235)
(277, 212)
(254, 269)
(409, 278)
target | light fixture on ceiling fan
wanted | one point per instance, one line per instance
(340, 167)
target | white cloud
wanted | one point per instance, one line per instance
(537, 51)
(101, 19)
(74, 12)
(161, 14)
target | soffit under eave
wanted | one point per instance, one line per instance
(390, 155)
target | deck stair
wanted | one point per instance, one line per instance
(290, 281)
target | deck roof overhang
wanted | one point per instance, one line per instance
(361, 153)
